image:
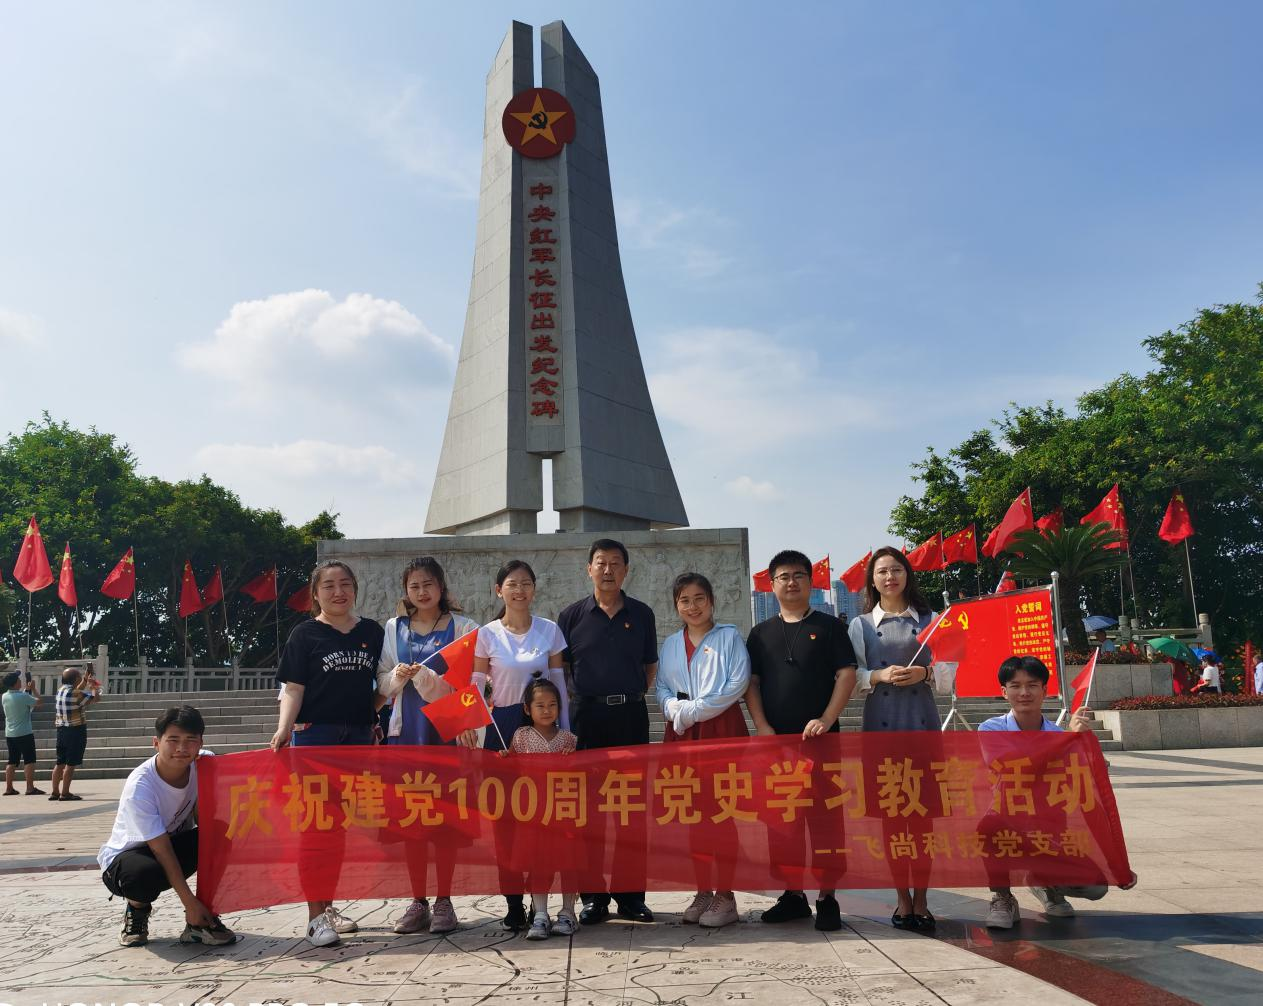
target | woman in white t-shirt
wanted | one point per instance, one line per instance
(514, 649)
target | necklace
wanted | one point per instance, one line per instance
(789, 643)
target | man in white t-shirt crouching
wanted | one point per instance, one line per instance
(153, 847)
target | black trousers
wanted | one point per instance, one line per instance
(598, 725)
(137, 875)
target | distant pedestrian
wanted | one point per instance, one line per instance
(73, 698)
(1211, 680)
(1258, 677)
(20, 701)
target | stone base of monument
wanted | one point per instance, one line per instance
(560, 562)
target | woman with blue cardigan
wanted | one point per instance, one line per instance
(703, 672)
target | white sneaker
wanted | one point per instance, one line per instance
(1055, 905)
(416, 919)
(565, 924)
(722, 912)
(444, 918)
(701, 901)
(539, 927)
(1003, 913)
(320, 931)
(341, 924)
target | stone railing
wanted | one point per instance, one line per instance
(144, 679)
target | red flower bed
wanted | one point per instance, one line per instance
(1203, 701)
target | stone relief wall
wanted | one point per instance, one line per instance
(560, 564)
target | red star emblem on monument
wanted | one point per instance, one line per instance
(538, 123)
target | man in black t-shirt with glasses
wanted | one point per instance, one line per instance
(802, 673)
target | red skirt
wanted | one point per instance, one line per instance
(729, 723)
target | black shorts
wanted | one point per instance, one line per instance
(21, 749)
(71, 743)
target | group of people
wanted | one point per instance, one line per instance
(580, 683)
(79, 689)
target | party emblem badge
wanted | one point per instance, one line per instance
(538, 123)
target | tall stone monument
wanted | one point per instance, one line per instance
(549, 369)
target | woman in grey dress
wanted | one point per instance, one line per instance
(894, 669)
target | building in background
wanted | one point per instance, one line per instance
(847, 604)
(765, 605)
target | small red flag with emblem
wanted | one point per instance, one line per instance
(66, 581)
(1177, 523)
(962, 546)
(855, 576)
(820, 575)
(762, 582)
(121, 582)
(1082, 684)
(1110, 511)
(190, 597)
(263, 587)
(31, 569)
(455, 662)
(948, 633)
(300, 600)
(1052, 522)
(464, 709)
(1017, 518)
(214, 592)
(927, 556)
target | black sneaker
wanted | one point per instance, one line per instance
(789, 906)
(828, 914)
(135, 927)
(514, 920)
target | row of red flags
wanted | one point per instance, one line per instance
(33, 572)
(939, 551)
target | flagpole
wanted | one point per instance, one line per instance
(276, 614)
(1061, 653)
(224, 601)
(1135, 609)
(136, 621)
(79, 631)
(1189, 558)
(30, 596)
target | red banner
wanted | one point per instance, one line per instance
(981, 633)
(870, 810)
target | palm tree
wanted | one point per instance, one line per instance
(1076, 554)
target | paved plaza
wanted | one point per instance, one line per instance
(1192, 930)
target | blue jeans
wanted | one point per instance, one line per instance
(332, 735)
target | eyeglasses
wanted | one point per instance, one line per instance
(791, 577)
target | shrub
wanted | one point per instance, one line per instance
(1203, 701)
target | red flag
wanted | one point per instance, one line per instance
(928, 555)
(66, 581)
(31, 569)
(1177, 524)
(190, 598)
(856, 576)
(214, 592)
(1006, 583)
(464, 709)
(820, 575)
(949, 639)
(122, 579)
(763, 582)
(961, 547)
(455, 662)
(1051, 522)
(263, 587)
(1082, 684)
(1110, 511)
(300, 600)
(1017, 518)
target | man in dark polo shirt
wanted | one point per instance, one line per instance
(612, 658)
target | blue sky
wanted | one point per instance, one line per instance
(240, 235)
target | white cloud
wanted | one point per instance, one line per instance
(684, 236)
(310, 459)
(763, 492)
(20, 329)
(298, 337)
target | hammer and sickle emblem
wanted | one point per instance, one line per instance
(466, 700)
(539, 120)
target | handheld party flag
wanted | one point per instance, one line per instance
(263, 587)
(464, 709)
(121, 583)
(31, 569)
(1082, 684)
(1016, 519)
(1110, 511)
(820, 575)
(455, 662)
(1177, 522)
(66, 581)
(855, 576)
(190, 597)
(961, 547)
(928, 555)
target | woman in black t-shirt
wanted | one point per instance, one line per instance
(329, 669)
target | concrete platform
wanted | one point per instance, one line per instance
(1191, 931)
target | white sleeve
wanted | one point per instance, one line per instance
(387, 683)
(557, 675)
(863, 675)
(142, 815)
(557, 643)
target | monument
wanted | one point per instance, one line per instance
(549, 369)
